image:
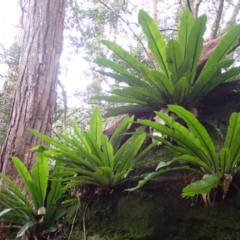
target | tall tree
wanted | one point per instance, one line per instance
(34, 99)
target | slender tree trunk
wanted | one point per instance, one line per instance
(34, 99)
(219, 11)
(153, 15)
(153, 11)
(196, 8)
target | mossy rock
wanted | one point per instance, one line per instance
(157, 211)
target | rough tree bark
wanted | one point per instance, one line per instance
(34, 99)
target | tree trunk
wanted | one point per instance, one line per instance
(153, 15)
(35, 95)
(219, 11)
(196, 8)
(153, 11)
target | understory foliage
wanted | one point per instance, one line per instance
(196, 147)
(91, 158)
(38, 210)
(175, 79)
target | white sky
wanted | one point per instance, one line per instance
(9, 16)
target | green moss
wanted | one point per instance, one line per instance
(159, 153)
(157, 211)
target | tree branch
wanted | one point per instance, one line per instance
(128, 25)
(168, 29)
(23, 10)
